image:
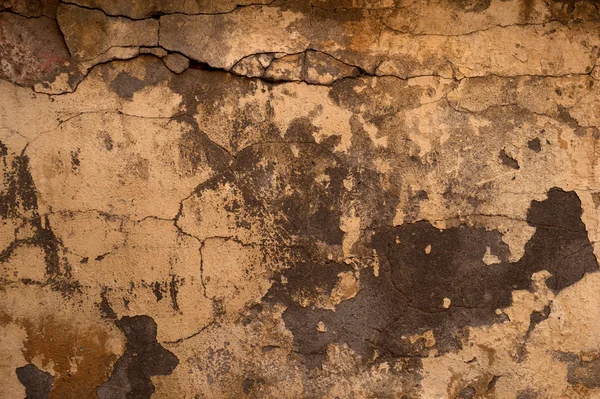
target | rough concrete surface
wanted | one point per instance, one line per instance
(299, 199)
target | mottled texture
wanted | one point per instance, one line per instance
(299, 199)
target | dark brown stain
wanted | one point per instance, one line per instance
(564, 116)
(527, 394)
(534, 319)
(126, 85)
(407, 297)
(308, 212)
(18, 200)
(158, 291)
(249, 385)
(173, 291)
(107, 141)
(472, 5)
(269, 348)
(32, 49)
(585, 373)
(32, 8)
(105, 309)
(144, 357)
(75, 162)
(537, 317)
(196, 150)
(37, 383)
(57, 344)
(560, 244)
(527, 8)
(467, 393)
(507, 160)
(3, 151)
(534, 145)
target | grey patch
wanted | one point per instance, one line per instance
(565, 117)
(534, 145)
(407, 297)
(467, 393)
(38, 384)
(586, 373)
(507, 160)
(247, 385)
(527, 394)
(310, 211)
(144, 357)
(197, 150)
(414, 204)
(269, 348)
(125, 85)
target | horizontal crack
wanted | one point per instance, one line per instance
(158, 14)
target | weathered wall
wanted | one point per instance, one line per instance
(299, 199)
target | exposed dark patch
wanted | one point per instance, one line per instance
(473, 5)
(269, 348)
(157, 289)
(144, 357)
(507, 160)
(456, 194)
(219, 362)
(197, 150)
(560, 244)
(247, 385)
(527, 394)
(534, 319)
(18, 197)
(534, 145)
(75, 162)
(565, 117)
(492, 384)
(105, 308)
(537, 317)
(421, 195)
(414, 204)
(407, 297)
(173, 290)
(467, 393)
(3, 150)
(18, 200)
(37, 383)
(301, 130)
(32, 49)
(586, 373)
(125, 85)
(106, 140)
(310, 212)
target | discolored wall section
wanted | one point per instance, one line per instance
(299, 199)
